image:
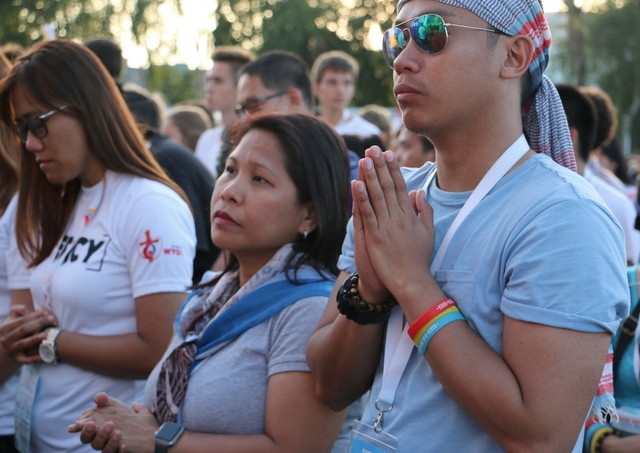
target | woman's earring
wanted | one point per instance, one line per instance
(304, 235)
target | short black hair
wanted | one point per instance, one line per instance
(606, 114)
(109, 53)
(145, 108)
(280, 70)
(581, 115)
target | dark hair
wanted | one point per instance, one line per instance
(614, 153)
(359, 144)
(237, 57)
(55, 73)
(280, 70)
(606, 115)
(334, 60)
(581, 115)
(144, 106)
(316, 160)
(109, 53)
(426, 144)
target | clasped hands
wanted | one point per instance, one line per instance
(393, 232)
(23, 330)
(114, 427)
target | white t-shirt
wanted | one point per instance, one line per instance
(208, 148)
(13, 275)
(623, 209)
(356, 125)
(140, 241)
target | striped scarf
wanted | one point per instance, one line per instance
(544, 119)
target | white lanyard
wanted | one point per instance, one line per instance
(398, 345)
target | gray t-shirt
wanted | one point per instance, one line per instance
(227, 392)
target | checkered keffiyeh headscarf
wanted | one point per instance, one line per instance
(545, 123)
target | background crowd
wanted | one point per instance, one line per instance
(169, 274)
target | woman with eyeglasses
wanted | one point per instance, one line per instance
(235, 377)
(14, 288)
(109, 239)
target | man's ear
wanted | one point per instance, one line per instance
(295, 98)
(519, 55)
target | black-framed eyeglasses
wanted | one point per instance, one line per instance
(429, 32)
(252, 105)
(36, 125)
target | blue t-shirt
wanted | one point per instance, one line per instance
(541, 247)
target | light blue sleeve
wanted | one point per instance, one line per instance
(567, 268)
(347, 262)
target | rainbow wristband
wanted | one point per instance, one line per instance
(425, 318)
(435, 328)
(416, 338)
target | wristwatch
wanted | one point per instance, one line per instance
(166, 436)
(47, 349)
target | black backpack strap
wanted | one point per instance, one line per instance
(627, 332)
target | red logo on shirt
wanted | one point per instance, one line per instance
(150, 247)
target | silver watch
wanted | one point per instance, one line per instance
(47, 349)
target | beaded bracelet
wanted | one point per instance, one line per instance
(351, 304)
(596, 435)
(435, 327)
(428, 316)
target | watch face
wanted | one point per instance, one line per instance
(168, 431)
(46, 352)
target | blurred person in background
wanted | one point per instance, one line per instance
(381, 117)
(220, 92)
(612, 158)
(413, 150)
(334, 75)
(185, 124)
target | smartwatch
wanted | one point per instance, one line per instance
(166, 436)
(47, 349)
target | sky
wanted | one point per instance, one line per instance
(192, 34)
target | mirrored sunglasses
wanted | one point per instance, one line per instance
(35, 125)
(429, 32)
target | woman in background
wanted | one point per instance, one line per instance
(185, 124)
(109, 238)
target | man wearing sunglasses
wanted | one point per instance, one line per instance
(473, 318)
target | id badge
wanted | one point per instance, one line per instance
(365, 440)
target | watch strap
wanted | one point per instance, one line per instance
(162, 444)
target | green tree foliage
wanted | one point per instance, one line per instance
(22, 21)
(176, 83)
(309, 28)
(613, 61)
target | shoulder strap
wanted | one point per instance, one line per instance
(628, 327)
